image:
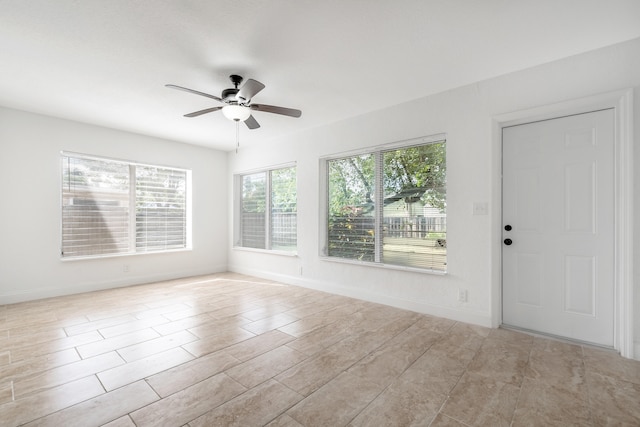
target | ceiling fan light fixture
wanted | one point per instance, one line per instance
(236, 112)
(237, 104)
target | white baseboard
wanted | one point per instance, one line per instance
(476, 318)
(129, 280)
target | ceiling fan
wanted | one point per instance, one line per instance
(238, 106)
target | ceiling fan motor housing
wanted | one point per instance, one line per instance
(229, 95)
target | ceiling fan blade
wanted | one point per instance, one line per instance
(248, 90)
(252, 123)
(193, 91)
(201, 112)
(277, 110)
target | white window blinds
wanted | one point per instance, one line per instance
(253, 211)
(95, 207)
(284, 212)
(266, 216)
(114, 207)
(161, 220)
(351, 227)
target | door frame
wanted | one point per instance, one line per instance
(622, 103)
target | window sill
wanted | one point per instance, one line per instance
(383, 266)
(265, 251)
(128, 254)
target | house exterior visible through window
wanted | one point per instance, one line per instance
(266, 210)
(112, 207)
(388, 206)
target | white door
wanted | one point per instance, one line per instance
(558, 227)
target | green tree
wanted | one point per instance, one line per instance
(351, 184)
(413, 174)
(283, 192)
(254, 193)
(416, 174)
(351, 202)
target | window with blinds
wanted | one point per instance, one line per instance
(254, 211)
(161, 209)
(283, 219)
(352, 208)
(266, 215)
(112, 207)
(388, 206)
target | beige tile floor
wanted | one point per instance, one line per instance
(228, 349)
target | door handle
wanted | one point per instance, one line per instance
(508, 242)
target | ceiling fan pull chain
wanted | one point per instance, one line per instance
(237, 135)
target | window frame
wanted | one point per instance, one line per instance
(132, 214)
(377, 151)
(237, 209)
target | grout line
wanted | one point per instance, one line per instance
(439, 411)
(146, 380)
(372, 336)
(453, 418)
(285, 412)
(587, 385)
(515, 408)
(78, 353)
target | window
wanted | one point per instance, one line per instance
(114, 207)
(267, 211)
(388, 206)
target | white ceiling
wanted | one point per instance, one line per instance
(106, 62)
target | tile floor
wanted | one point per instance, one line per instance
(228, 349)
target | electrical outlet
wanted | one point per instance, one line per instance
(462, 295)
(125, 268)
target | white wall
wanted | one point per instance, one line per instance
(30, 265)
(467, 116)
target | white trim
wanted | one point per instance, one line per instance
(189, 207)
(407, 143)
(624, 224)
(117, 160)
(13, 297)
(285, 165)
(266, 251)
(121, 255)
(323, 212)
(466, 316)
(622, 102)
(374, 264)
